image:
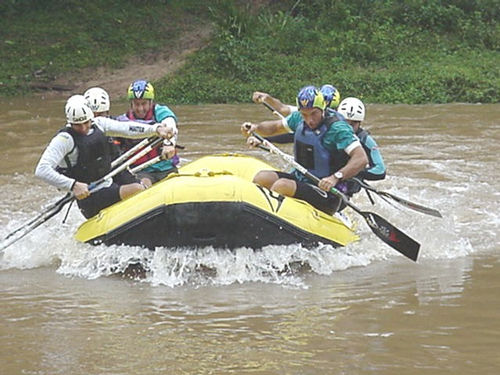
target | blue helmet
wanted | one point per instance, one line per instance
(141, 89)
(310, 97)
(331, 95)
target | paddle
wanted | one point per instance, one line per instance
(381, 227)
(126, 154)
(403, 202)
(268, 106)
(138, 146)
(288, 138)
(53, 209)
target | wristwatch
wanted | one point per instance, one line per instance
(339, 175)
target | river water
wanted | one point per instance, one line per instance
(363, 309)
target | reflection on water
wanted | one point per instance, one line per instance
(361, 309)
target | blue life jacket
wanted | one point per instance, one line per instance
(312, 154)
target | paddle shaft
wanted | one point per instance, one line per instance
(126, 154)
(155, 142)
(33, 224)
(57, 206)
(379, 226)
(268, 106)
(403, 202)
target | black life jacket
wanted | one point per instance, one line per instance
(94, 157)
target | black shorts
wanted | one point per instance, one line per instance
(105, 197)
(316, 197)
(125, 178)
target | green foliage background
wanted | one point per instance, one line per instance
(385, 51)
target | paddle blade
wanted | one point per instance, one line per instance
(392, 236)
(413, 206)
(33, 224)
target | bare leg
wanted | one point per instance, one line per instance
(284, 186)
(130, 189)
(265, 178)
(146, 182)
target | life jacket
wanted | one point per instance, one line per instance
(126, 144)
(94, 158)
(312, 154)
(362, 134)
(351, 187)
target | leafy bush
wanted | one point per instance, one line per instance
(388, 51)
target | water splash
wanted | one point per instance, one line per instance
(451, 237)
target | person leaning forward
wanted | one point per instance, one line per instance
(144, 109)
(79, 154)
(292, 113)
(323, 143)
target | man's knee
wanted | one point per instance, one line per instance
(131, 189)
(265, 178)
(285, 187)
(146, 182)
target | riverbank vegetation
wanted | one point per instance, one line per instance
(432, 51)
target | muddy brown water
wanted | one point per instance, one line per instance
(363, 309)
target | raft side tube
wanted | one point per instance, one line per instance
(218, 224)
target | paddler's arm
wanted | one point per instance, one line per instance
(264, 128)
(131, 129)
(356, 163)
(59, 147)
(263, 97)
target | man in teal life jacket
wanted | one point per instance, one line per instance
(323, 143)
(354, 113)
(143, 109)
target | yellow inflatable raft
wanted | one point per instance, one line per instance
(212, 202)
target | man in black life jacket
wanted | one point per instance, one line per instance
(79, 154)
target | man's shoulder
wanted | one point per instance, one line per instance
(341, 134)
(62, 140)
(340, 126)
(161, 112)
(64, 134)
(293, 120)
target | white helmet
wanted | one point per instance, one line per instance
(77, 110)
(98, 99)
(352, 109)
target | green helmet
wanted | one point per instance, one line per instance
(141, 89)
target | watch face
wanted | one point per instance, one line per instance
(339, 175)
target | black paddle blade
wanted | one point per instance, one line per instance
(392, 236)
